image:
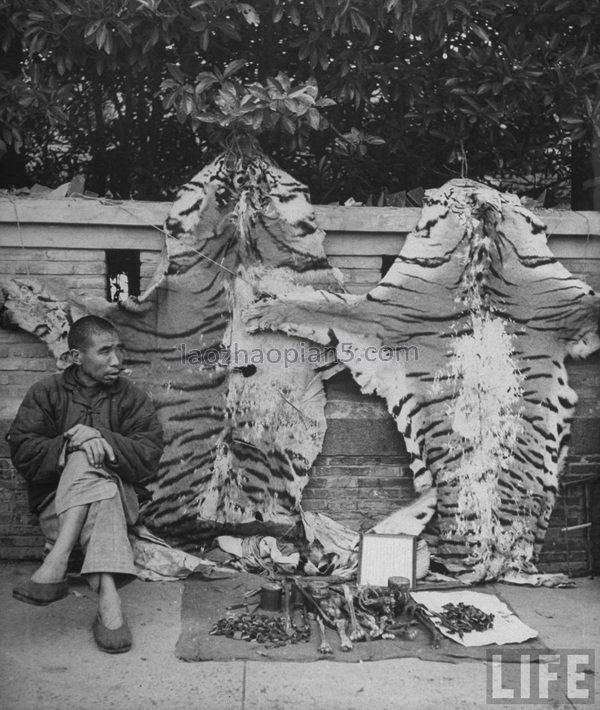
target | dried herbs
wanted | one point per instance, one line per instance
(463, 618)
(261, 628)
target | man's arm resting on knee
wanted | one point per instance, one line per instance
(97, 450)
(79, 434)
(89, 440)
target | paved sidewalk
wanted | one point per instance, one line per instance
(48, 660)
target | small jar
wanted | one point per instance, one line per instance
(270, 596)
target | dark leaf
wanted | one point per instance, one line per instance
(176, 73)
(480, 32)
(234, 67)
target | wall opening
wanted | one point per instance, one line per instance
(122, 274)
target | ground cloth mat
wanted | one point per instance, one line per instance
(205, 600)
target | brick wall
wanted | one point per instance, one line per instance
(362, 472)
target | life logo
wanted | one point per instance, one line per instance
(540, 676)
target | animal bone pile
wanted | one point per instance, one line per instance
(363, 613)
(369, 613)
(355, 614)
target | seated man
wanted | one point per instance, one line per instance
(86, 441)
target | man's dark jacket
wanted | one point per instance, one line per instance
(123, 415)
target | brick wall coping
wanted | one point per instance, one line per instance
(370, 230)
(335, 218)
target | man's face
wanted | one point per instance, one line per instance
(101, 361)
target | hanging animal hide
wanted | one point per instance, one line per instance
(466, 338)
(243, 415)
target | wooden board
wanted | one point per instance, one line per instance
(331, 218)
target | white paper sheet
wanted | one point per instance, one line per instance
(507, 628)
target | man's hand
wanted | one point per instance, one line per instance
(96, 450)
(79, 434)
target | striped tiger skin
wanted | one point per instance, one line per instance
(472, 325)
(240, 435)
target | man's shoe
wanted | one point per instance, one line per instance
(41, 594)
(112, 640)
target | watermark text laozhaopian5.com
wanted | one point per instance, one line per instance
(539, 676)
(303, 352)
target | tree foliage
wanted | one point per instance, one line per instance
(354, 97)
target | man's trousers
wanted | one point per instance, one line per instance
(112, 506)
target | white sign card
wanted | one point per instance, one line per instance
(385, 556)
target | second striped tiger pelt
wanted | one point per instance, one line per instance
(466, 337)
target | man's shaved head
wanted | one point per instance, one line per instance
(83, 329)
